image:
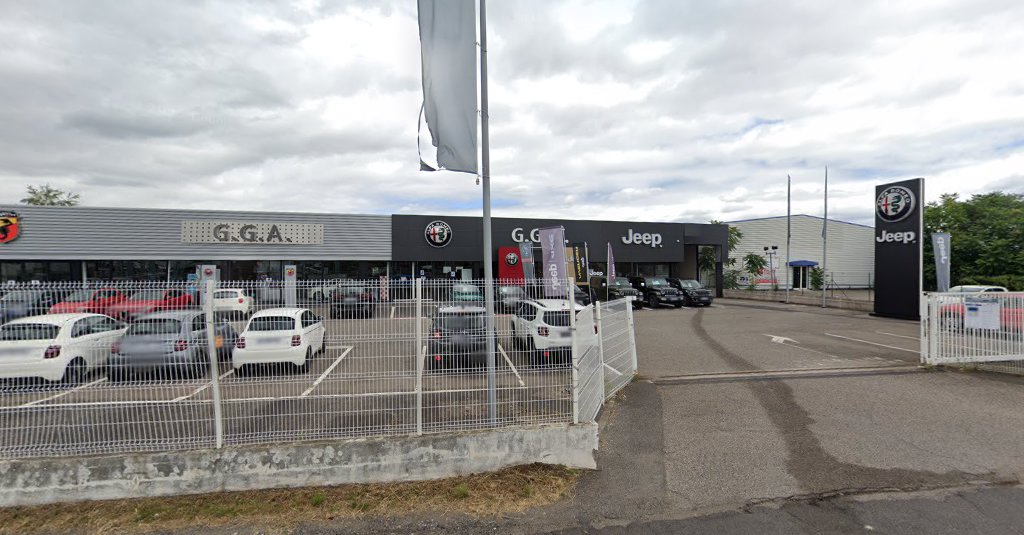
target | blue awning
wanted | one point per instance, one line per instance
(803, 263)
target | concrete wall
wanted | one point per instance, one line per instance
(808, 298)
(39, 481)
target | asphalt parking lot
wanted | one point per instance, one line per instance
(364, 383)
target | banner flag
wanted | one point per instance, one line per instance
(580, 263)
(942, 247)
(611, 265)
(552, 245)
(448, 54)
(526, 256)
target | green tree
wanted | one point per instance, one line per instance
(754, 263)
(987, 239)
(817, 278)
(706, 255)
(48, 196)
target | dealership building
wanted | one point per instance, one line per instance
(94, 243)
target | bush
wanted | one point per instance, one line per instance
(1014, 283)
(817, 278)
(732, 279)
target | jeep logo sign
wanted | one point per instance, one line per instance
(647, 238)
(898, 248)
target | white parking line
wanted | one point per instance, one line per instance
(329, 370)
(64, 393)
(915, 351)
(899, 335)
(509, 361)
(393, 312)
(204, 387)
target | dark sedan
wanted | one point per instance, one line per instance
(694, 293)
(172, 342)
(21, 303)
(352, 301)
(458, 338)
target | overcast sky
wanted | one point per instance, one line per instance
(651, 110)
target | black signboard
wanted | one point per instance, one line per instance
(899, 217)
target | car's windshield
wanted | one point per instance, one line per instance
(28, 331)
(557, 319)
(351, 290)
(225, 295)
(460, 322)
(511, 290)
(155, 326)
(272, 323)
(621, 283)
(19, 296)
(465, 289)
(148, 295)
(657, 281)
(80, 295)
(690, 284)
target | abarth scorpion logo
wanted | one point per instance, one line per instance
(9, 226)
(438, 233)
(895, 204)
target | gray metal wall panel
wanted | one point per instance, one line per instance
(95, 233)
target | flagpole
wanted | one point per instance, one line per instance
(789, 232)
(485, 179)
(824, 246)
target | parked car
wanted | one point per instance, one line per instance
(98, 301)
(458, 337)
(656, 291)
(508, 297)
(541, 327)
(322, 292)
(144, 302)
(694, 293)
(233, 302)
(19, 303)
(171, 341)
(581, 296)
(620, 288)
(462, 292)
(57, 347)
(976, 288)
(350, 301)
(275, 335)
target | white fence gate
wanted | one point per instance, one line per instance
(978, 330)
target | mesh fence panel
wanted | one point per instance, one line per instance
(980, 330)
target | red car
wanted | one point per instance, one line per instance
(97, 301)
(1011, 318)
(143, 302)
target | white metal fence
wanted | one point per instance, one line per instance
(976, 330)
(128, 367)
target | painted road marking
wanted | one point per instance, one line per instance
(899, 335)
(780, 339)
(509, 361)
(204, 387)
(64, 393)
(915, 351)
(393, 312)
(329, 370)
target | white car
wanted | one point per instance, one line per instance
(323, 292)
(541, 326)
(976, 289)
(232, 301)
(275, 335)
(57, 347)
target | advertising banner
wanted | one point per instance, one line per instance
(899, 215)
(941, 246)
(552, 244)
(580, 263)
(526, 258)
(510, 265)
(611, 265)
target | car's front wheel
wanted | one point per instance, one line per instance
(652, 301)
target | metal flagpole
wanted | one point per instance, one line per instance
(824, 246)
(485, 177)
(789, 233)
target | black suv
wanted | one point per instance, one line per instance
(693, 292)
(657, 291)
(458, 337)
(600, 290)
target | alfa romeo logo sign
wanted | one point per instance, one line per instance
(895, 204)
(511, 259)
(438, 233)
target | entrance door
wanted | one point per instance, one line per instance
(799, 277)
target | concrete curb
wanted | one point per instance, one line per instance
(795, 299)
(377, 460)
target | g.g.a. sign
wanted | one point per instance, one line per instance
(193, 231)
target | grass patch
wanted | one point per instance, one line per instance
(511, 490)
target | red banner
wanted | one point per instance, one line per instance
(510, 265)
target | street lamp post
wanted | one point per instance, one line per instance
(770, 251)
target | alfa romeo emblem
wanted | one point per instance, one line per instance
(438, 233)
(511, 259)
(895, 204)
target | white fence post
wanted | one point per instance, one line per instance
(575, 349)
(213, 355)
(600, 345)
(420, 355)
(926, 328)
(632, 337)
